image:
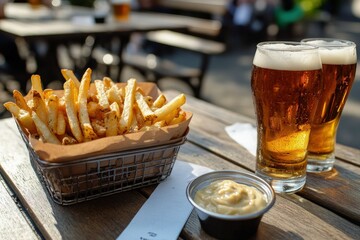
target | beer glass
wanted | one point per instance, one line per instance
(34, 3)
(121, 9)
(338, 59)
(286, 83)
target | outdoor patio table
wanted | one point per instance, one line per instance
(327, 208)
(74, 25)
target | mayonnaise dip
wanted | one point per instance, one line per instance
(230, 198)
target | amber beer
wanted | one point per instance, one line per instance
(121, 9)
(34, 3)
(338, 59)
(286, 83)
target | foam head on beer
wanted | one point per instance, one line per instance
(335, 51)
(286, 56)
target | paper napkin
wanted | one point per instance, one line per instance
(165, 213)
(245, 134)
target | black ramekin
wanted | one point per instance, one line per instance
(230, 226)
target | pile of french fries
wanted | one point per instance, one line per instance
(80, 115)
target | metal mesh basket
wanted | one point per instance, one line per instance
(89, 178)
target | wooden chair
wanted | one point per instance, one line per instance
(202, 38)
(155, 68)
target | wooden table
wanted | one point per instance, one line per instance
(327, 208)
(74, 25)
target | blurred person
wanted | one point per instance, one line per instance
(243, 12)
(288, 14)
(145, 4)
(249, 19)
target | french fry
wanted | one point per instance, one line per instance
(175, 103)
(23, 116)
(36, 85)
(159, 101)
(99, 127)
(47, 92)
(93, 109)
(39, 106)
(139, 118)
(69, 74)
(111, 124)
(127, 113)
(108, 83)
(169, 117)
(61, 123)
(52, 108)
(71, 110)
(122, 92)
(81, 114)
(149, 100)
(147, 113)
(101, 95)
(113, 95)
(13, 108)
(89, 133)
(180, 118)
(134, 126)
(84, 119)
(140, 90)
(30, 103)
(45, 133)
(61, 106)
(20, 101)
(115, 107)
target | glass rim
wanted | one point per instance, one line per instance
(302, 47)
(347, 43)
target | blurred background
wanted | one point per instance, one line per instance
(241, 25)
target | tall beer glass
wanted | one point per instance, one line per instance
(286, 83)
(338, 59)
(121, 9)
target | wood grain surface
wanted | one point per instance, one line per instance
(13, 224)
(327, 208)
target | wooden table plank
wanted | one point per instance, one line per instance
(107, 217)
(207, 128)
(293, 216)
(348, 154)
(328, 188)
(103, 218)
(13, 224)
(209, 6)
(279, 222)
(66, 29)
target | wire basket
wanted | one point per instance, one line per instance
(93, 177)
